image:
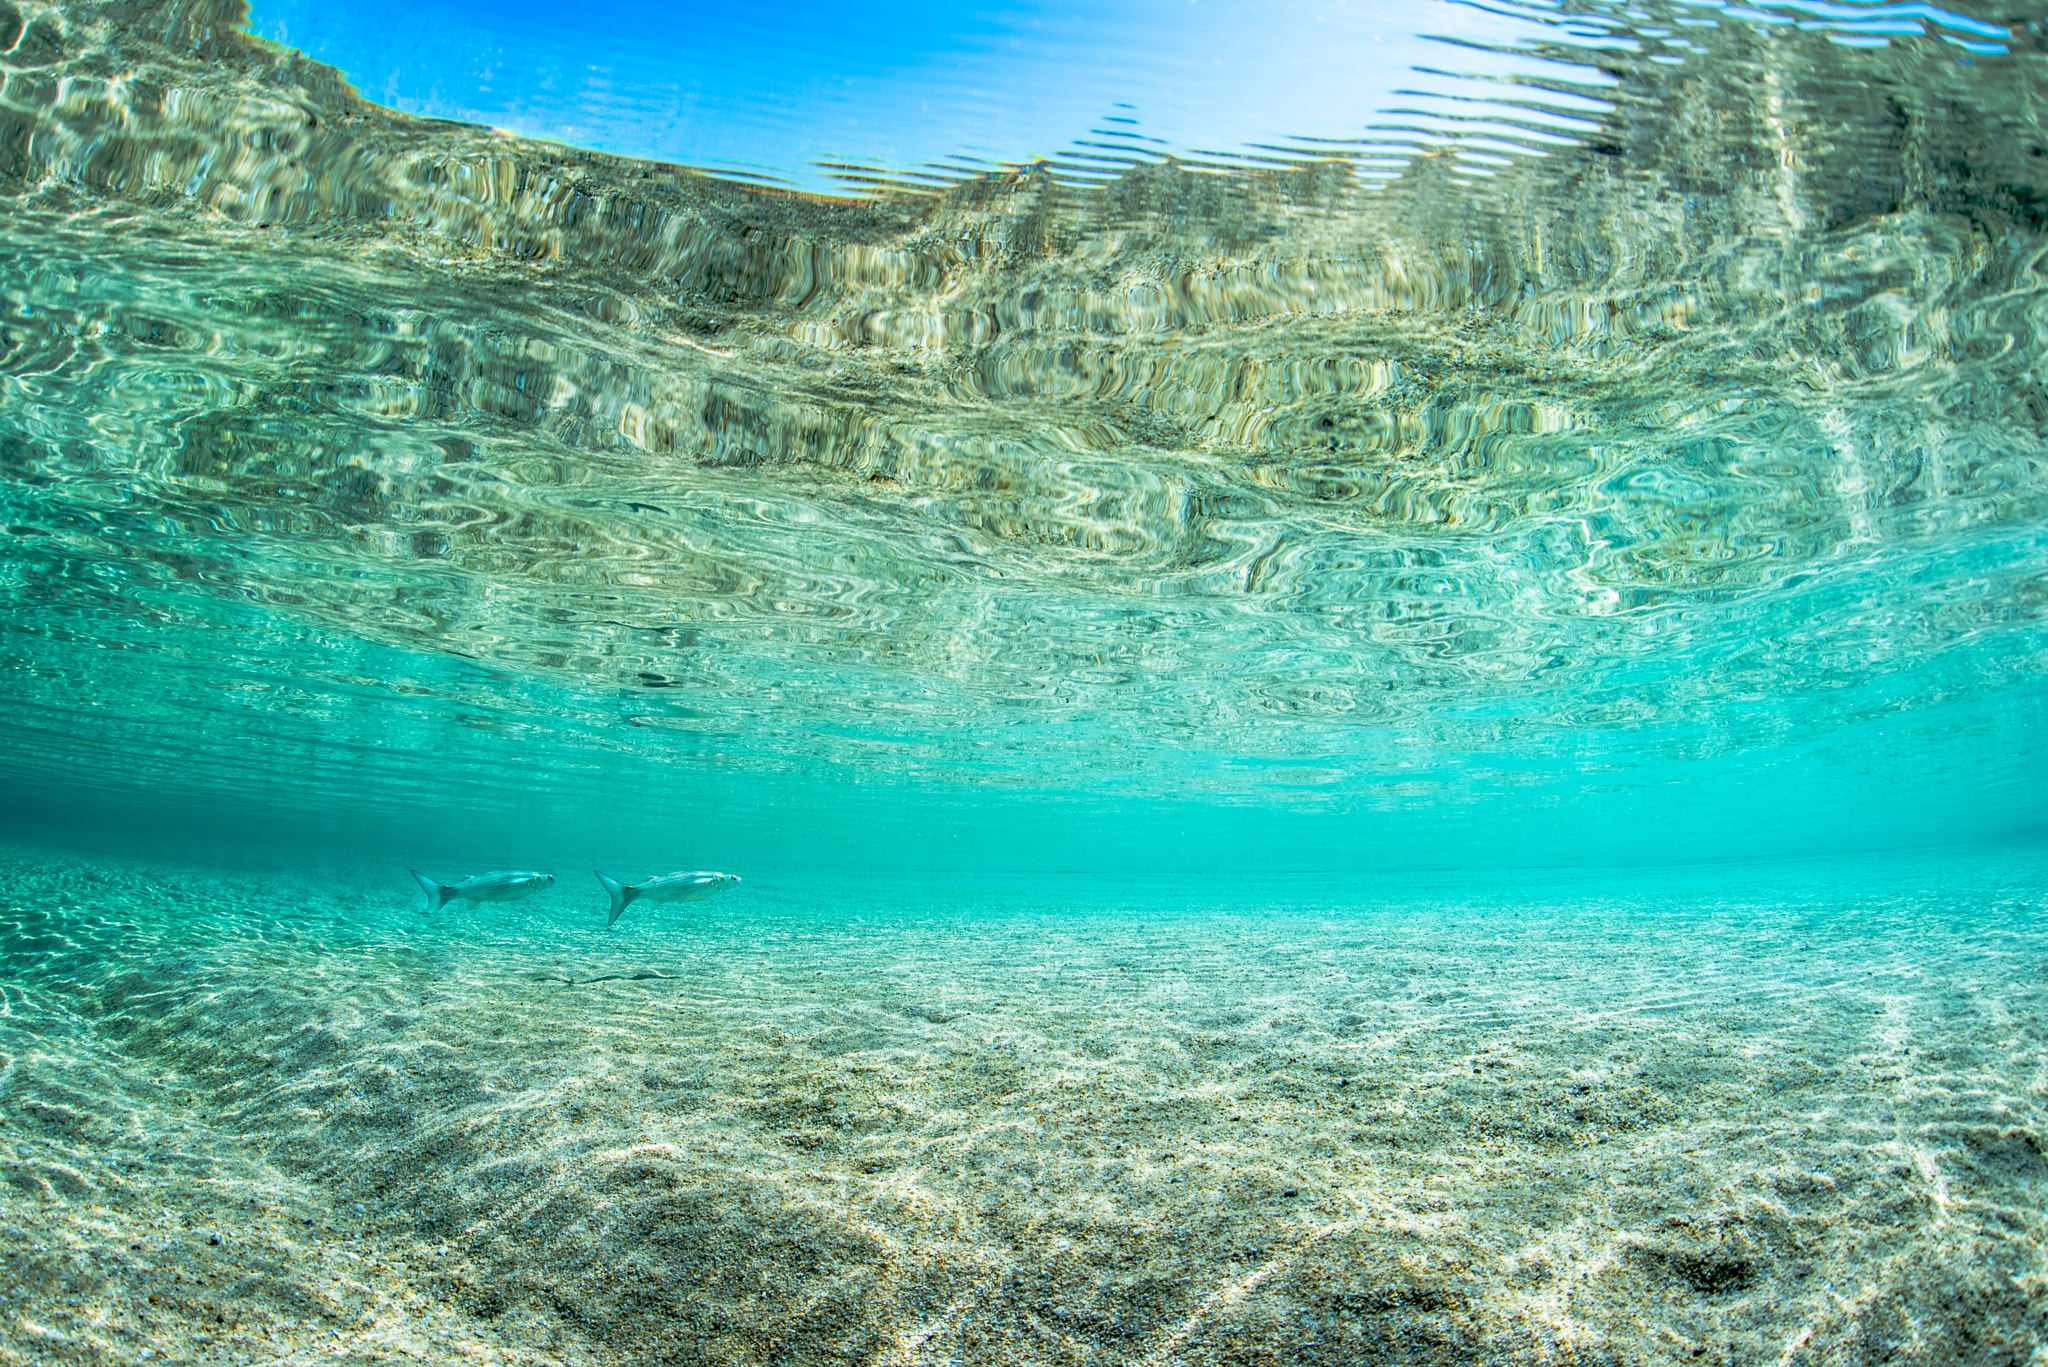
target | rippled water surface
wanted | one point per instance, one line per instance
(1212, 576)
(1678, 485)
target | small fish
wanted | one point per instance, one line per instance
(485, 887)
(670, 887)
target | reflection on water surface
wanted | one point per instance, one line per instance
(1700, 453)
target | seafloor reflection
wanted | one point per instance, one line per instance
(1720, 428)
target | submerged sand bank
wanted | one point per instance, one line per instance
(900, 1128)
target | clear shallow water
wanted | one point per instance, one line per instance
(1156, 641)
(254, 1116)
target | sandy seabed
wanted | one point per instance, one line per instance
(247, 1118)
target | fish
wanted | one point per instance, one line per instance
(485, 887)
(670, 887)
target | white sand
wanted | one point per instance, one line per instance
(954, 1123)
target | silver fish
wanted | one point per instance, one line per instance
(670, 887)
(485, 887)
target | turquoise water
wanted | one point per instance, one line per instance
(1426, 750)
(1793, 1109)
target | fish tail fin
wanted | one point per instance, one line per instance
(621, 895)
(437, 893)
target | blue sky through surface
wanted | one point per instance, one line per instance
(777, 93)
